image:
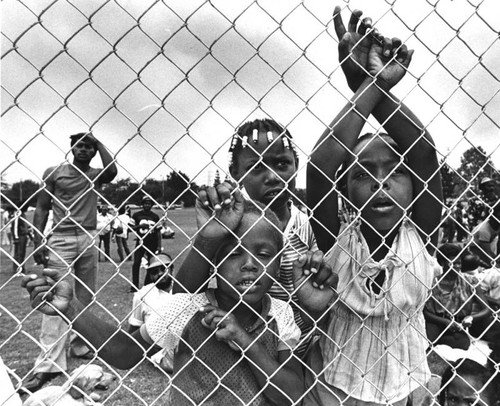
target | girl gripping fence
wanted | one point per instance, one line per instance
(373, 346)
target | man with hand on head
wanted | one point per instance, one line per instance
(70, 191)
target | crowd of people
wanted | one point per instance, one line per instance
(274, 306)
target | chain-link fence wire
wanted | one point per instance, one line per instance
(163, 86)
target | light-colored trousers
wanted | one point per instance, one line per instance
(75, 249)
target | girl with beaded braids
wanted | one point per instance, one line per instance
(373, 349)
(264, 162)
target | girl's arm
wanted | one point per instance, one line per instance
(52, 294)
(282, 379)
(332, 149)
(397, 119)
(194, 272)
(386, 65)
(481, 300)
(218, 212)
(435, 319)
(417, 145)
(114, 345)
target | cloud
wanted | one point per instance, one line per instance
(173, 82)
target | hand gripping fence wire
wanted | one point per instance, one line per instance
(159, 90)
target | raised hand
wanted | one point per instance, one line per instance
(49, 293)
(354, 46)
(89, 136)
(226, 328)
(388, 61)
(219, 210)
(315, 282)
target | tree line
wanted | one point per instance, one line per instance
(177, 188)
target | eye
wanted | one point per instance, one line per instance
(255, 167)
(399, 169)
(234, 253)
(284, 163)
(361, 175)
(265, 254)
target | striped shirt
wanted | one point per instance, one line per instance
(298, 239)
(375, 344)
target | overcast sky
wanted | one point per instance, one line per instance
(164, 86)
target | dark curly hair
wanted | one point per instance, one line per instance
(468, 368)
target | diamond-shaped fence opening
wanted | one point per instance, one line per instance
(174, 240)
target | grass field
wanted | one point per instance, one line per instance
(19, 324)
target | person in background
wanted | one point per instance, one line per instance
(120, 233)
(7, 216)
(479, 206)
(449, 227)
(21, 233)
(70, 191)
(461, 220)
(150, 299)
(484, 239)
(147, 228)
(104, 221)
(455, 303)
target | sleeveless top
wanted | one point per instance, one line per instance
(375, 344)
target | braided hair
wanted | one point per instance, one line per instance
(248, 133)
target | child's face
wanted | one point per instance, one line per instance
(83, 151)
(381, 207)
(160, 275)
(463, 391)
(248, 269)
(273, 177)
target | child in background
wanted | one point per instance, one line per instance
(152, 297)
(233, 344)
(373, 350)
(468, 383)
(455, 304)
(264, 162)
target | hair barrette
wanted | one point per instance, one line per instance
(255, 135)
(244, 141)
(234, 141)
(270, 137)
(286, 143)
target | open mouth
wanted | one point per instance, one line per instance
(382, 205)
(273, 193)
(248, 286)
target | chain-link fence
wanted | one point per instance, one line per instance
(160, 92)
